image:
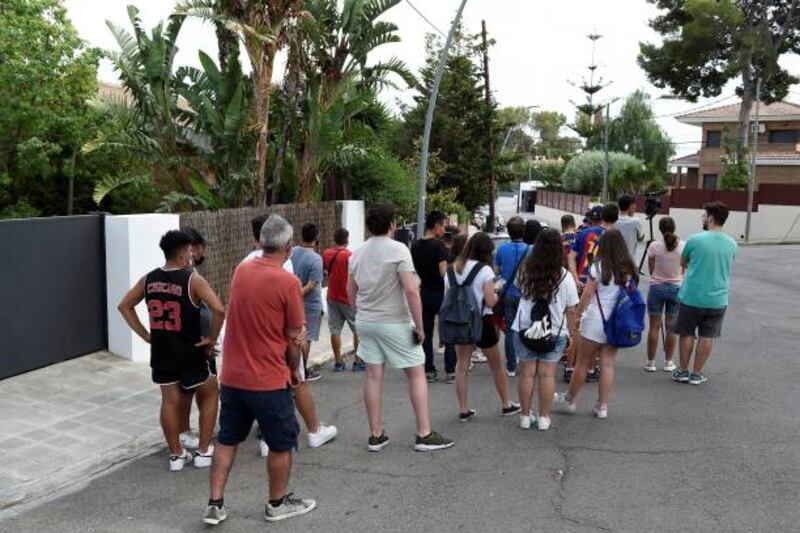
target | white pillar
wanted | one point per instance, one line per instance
(353, 221)
(131, 252)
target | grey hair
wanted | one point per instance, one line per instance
(276, 234)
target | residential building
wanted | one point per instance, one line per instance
(777, 157)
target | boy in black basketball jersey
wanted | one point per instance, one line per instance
(179, 354)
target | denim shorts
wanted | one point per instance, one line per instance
(525, 354)
(663, 298)
(274, 411)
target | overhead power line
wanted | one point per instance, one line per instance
(426, 19)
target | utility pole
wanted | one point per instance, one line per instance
(606, 167)
(751, 182)
(490, 221)
(426, 135)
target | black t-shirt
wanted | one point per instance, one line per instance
(174, 319)
(427, 254)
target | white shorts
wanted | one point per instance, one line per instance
(592, 328)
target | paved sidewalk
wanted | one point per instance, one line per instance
(69, 423)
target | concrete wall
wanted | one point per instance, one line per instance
(131, 252)
(771, 224)
(353, 215)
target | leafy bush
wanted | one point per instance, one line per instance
(584, 173)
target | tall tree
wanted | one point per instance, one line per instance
(588, 122)
(47, 74)
(707, 43)
(262, 26)
(636, 132)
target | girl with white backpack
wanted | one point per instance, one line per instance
(545, 318)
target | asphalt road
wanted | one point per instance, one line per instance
(671, 457)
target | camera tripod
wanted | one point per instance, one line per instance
(649, 242)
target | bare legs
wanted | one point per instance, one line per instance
(546, 373)
(336, 346)
(493, 357)
(587, 351)
(279, 467)
(170, 416)
(417, 390)
(373, 397)
(607, 356)
(208, 405)
(654, 334)
(703, 352)
(586, 358)
(304, 402)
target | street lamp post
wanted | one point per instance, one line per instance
(426, 136)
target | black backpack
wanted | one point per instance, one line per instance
(545, 341)
(461, 314)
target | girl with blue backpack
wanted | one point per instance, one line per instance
(611, 314)
(464, 320)
(545, 318)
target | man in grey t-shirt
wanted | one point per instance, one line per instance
(307, 264)
(628, 224)
(384, 291)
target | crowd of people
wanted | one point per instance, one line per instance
(550, 294)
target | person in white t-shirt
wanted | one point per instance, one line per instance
(613, 269)
(256, 224)
(478, 254)
(543, 277)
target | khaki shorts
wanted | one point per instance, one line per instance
(389, 342)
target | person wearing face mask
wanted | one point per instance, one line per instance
(179, 352)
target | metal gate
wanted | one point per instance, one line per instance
(52, 291)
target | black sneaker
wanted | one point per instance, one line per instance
(376, 444)
(511, 410)
(433, 441)
(567, 374)
(593, 374)
(432, 377)
(312, 375)
(466, 417)
(449, 377)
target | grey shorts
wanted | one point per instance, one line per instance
(338, 314)
(313, 324)
(699, 321)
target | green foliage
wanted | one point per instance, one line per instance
(47, 73)
(735, 159)
(584, 173)
(460, 134)
(636, 132)
(381, 177)
(548, 172)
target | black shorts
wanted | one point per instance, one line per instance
(699, 320)
(489, 337)
(191, 376)
(274, 411)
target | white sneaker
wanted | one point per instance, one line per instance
(203, 460)
(524, 422)
(561, 403)
(264, 448)
(189, 440)
(323, 435)
(177, 462)
(650, 366)
(511, 373)
(669, 365)
(600, 411)
(478, 357)
(544, 423)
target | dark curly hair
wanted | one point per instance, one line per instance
(542, 270)
(614, 260)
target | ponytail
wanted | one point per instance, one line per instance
(667, 227)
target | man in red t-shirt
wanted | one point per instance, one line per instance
(260, 367)
(335, 261)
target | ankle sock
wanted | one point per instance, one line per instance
(216, 503)
(276, 503)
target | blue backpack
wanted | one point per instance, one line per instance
(625, 325)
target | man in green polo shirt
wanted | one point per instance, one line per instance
(707, 257)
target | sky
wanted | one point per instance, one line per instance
(541, 46)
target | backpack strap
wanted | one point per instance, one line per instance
(599, 305)
(513, 279)
(472, 274)
(451, 276)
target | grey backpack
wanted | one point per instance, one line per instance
(461, 314)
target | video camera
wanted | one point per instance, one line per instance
(652, 204)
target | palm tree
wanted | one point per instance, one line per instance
(262, 26)
(142, 123)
